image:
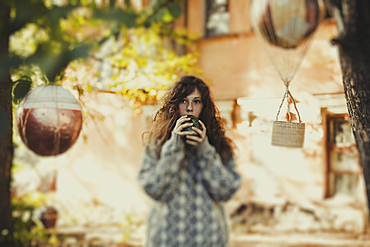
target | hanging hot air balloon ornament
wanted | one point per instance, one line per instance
(49, 120)
(286, 28)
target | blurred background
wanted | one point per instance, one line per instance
(117, 58)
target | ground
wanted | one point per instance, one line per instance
(110, 238)
(301, 240)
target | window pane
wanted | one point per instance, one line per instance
(217, 18)
(343, 152)
(221, 2)
(218, 24)
(344, 161)
(341, 133)
(345, 184)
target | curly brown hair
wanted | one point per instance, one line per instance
(165, 119)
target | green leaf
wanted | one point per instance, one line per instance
(81, 51)
(159, 14)
(128, 18)
(175, 9)
(21, 88)
(167, 17)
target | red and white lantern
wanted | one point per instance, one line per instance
(49, 120)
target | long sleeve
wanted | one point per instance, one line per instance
(160, 178)
(220, 180)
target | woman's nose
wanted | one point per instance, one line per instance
(190, 107)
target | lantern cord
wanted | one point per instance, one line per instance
(288, 95)
(281, 104)
(56, 148)
(295, 106)
(287, 103)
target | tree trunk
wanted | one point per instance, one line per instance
(354, 50)
(6, 154)
(6, 133)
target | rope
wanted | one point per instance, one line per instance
(295, 106)
(282, 102)
(56, 148)
(288, 95)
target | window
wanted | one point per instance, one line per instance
(217, 18)
(344, 168)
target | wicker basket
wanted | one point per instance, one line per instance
(288, 134)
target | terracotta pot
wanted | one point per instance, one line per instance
(49, 217)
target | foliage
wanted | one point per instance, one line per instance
(27, 207)
(25, 41)
(27, 228)
(58, 32)
(138, 64)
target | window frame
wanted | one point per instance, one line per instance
(330, 189)
(208, 13)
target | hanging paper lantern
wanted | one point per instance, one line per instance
(49, 120)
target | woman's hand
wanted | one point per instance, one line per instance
(180, 125)
(193, 140)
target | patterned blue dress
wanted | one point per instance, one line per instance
(189, 187)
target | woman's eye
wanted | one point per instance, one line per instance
(183, 101)
(197, 101)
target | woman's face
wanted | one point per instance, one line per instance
(191, 105)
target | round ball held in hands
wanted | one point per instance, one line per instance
(194, 128)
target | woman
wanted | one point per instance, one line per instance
(188, 179)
